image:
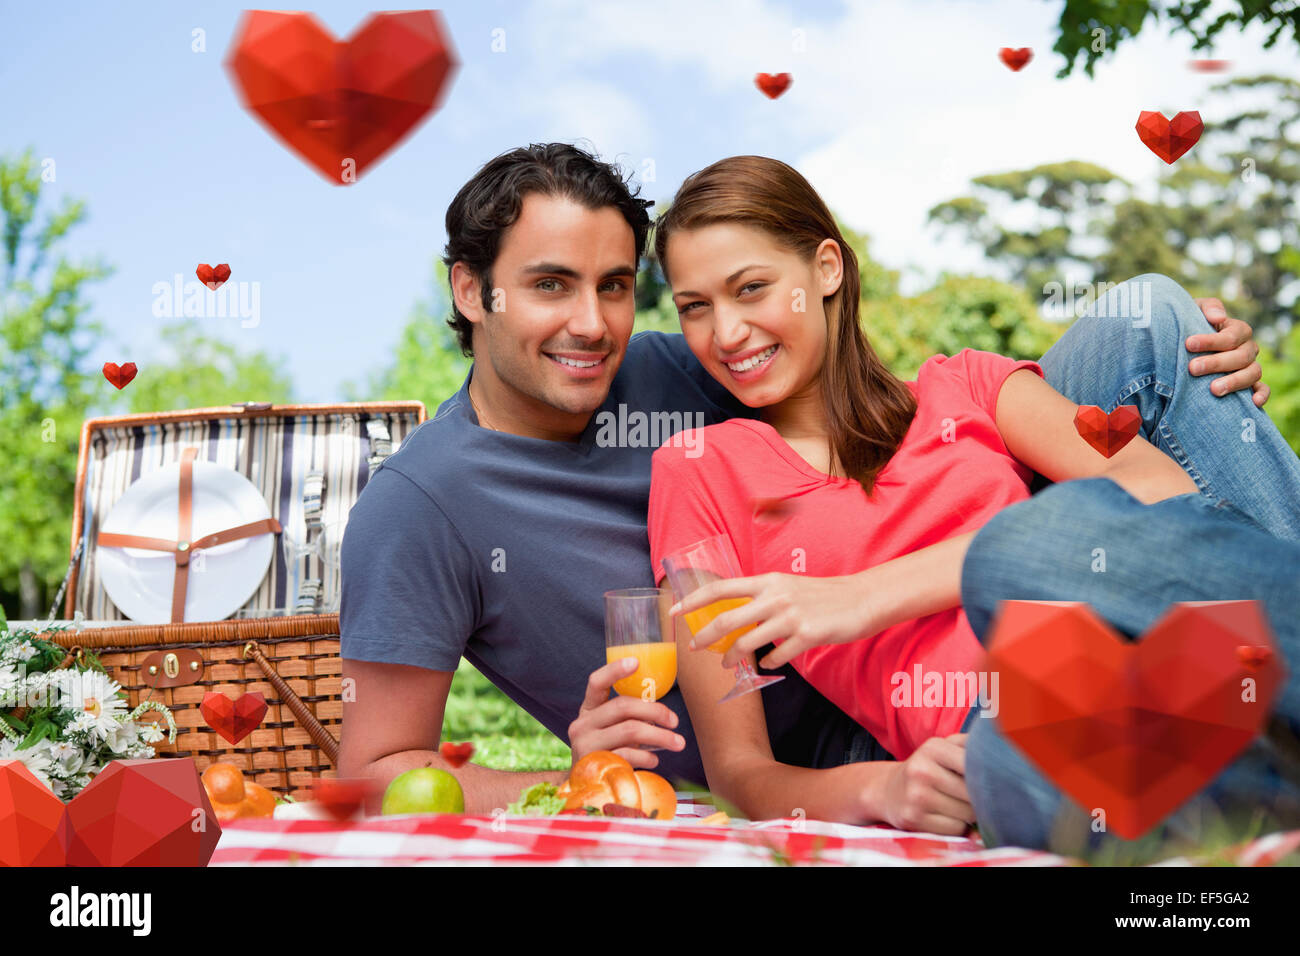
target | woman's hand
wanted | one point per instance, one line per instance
(927, 791)
(801, 612)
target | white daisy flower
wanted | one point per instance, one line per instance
(37, 758)
(94, 695)
(150, 732)
(68, 757)
(25, 651)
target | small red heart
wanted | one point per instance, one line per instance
(773, 84)
(1107, 433)
(233, 719)
(214, 277)
(456, 754)
(119, 376)
(1254, 656)
(342, 798)
(1169, 139)
(1016, 59)
(1209, 66)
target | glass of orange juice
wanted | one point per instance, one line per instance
(691, 568)
(637, 625)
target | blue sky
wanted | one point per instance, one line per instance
(894, 106)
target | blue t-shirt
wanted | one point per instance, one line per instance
(499, 547)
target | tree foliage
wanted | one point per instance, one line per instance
(1120, 20)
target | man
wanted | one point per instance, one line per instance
(494, 531)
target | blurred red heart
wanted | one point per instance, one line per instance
(1169, 139)
(456, 754)
(119, 375)
(1134, 729)
(1209, 66)
(1015, 59)
(341, 104)
(214, 277)
(773, 84)
(233, 719)
(133, 813)
(1107, 433)
(342, 798)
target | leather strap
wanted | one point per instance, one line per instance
(184, 528)
(262, 526)
(115, 540)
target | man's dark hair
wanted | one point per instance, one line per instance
(490, 203)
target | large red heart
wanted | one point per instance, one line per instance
(133, 813)
(773, 84)
(1134, 729)
(1016, 59)
(341, 105)
(1107, 433)
(233, 719)
(119, 375)
(1169, 139)
(214, 277)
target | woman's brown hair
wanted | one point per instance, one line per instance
(868, 409)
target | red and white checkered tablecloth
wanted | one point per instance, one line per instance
(570, 840)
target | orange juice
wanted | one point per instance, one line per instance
(696, 621)
(658, 663)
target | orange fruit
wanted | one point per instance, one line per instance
(258, 801)
(224, 783)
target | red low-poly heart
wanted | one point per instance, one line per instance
(1134, 729)
(343, 798)
(119, 376)
(456, 754)
(214, 277)
(1107, 433)
(1015, 58)
(341, 105)
(773, 84)
(233, 719)
(133, 813)
(1169, 139)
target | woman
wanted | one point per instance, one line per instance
(881, 486)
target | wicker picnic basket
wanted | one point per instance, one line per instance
(310, 463)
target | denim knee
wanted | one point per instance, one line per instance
(1172, 310)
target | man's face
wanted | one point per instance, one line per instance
(563, 304)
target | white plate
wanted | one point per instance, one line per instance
(221, 579)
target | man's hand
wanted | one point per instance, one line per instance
(1235, 352)
(623, 724)
(927, 791)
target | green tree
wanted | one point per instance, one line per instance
(197, 371)
(45, 336)
(1119, 20)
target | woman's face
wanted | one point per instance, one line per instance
(752, 310)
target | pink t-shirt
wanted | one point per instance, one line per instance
(950, 475)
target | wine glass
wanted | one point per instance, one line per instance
(696, 565)
(637, 624)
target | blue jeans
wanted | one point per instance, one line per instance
(1204, 546)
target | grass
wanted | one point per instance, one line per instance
(505, 736)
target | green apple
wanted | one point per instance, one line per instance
(424, 790)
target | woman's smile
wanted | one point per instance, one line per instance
(752, 365)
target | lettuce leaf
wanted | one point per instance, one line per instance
(538, 800)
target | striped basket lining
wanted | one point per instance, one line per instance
(275, 453)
